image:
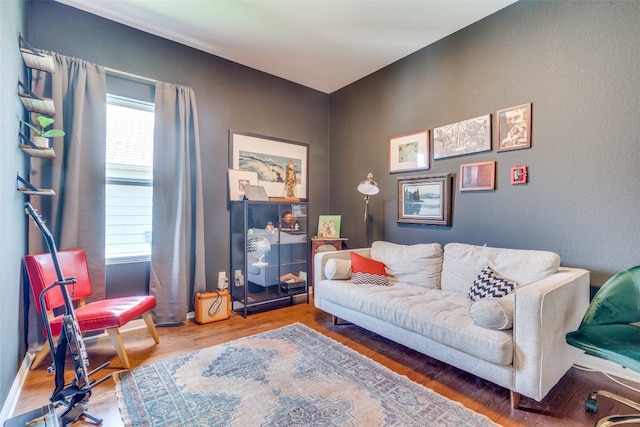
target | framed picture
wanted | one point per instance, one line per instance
(279, 164)
(237, 180)
(425, 199)
(514, 127)
(519, 175)
(466, 137)
(329, 226)
(409, 152)
(478, 176)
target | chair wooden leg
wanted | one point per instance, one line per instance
(515, 399)
(151, 326)
(116, 340)
(40, 355)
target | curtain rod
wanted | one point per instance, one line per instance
(130, 75)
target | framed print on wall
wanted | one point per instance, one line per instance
(519, 175)
(269, 158)
(425, 199)
(514, 127)
(478, 176)
(409, 152)
(465, 137)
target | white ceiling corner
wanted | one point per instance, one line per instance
(321, 44)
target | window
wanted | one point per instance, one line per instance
(129, 179)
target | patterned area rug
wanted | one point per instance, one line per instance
(292, 376)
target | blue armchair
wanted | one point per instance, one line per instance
(607, 332)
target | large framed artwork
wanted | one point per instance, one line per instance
(514, 127)
(478, 176)
(409, 152)
(425, 199)
(272, 159)
(465, 137)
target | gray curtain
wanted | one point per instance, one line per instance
(177, 248)
(76, 214)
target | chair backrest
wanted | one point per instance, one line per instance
(42, 273)
(617, 301)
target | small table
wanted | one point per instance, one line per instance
(316, 242)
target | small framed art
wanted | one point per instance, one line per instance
(237, 180)
(329, 226)
(425, 199)
(409, 152)
(514, 127)
(478, 176)
(519, 175)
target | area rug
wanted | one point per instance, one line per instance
(291, 376)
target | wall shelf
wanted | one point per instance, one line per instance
(30, 189)
(34, 59)
(42, 153)
(32, 150)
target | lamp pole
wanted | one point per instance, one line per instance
(368, 187)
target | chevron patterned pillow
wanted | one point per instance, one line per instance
(489, 284)
(367, 271)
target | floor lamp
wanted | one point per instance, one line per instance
(368, 187)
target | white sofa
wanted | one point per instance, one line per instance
(516, 341)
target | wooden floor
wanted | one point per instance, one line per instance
(563, 406)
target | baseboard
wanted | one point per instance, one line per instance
(16, 388)
(608, 367)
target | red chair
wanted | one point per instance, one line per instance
(108, 314)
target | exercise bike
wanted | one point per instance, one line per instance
(74, 396)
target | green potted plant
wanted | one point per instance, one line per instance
(42, 134)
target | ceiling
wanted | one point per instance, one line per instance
(321, 44)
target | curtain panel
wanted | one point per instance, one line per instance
(76, 215)
(177, 247)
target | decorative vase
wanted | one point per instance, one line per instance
(40, 141)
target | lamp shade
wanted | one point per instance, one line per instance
(368, 187)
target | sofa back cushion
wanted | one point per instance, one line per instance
(419, 264)
(462, 264)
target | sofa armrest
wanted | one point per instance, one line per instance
(321, 258)
(544, 312)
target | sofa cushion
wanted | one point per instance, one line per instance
(337, 269)
(462, 263)
(493, 313)
(419, 264)
(366, 270)
(438, 315)
(489, 284)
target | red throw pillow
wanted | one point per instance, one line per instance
(367, 270)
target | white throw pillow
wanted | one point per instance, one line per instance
(337, 269)
(493, 313)
(419, 264)
(462, 262)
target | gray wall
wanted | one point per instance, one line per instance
(229, 96)
(12, 217)
(577, 62)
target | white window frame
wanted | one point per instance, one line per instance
(139, 182)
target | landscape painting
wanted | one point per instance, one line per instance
(270, 158)
(425, 199)
(269, 168)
